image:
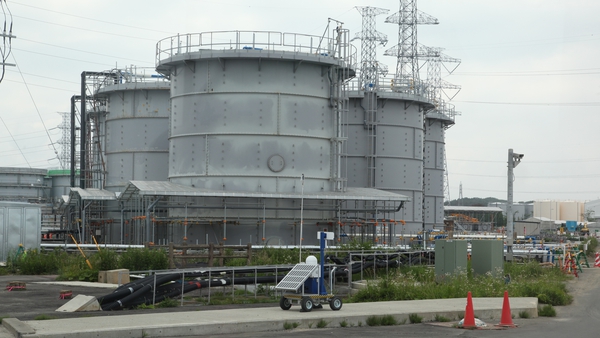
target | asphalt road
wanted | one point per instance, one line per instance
(578, 319)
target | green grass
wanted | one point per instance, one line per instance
(169, 302)
(410, 283)
(387, 320)
(547, 311)
(73, 266)
(240, 297)
(442, 319)
(524, 314)
(289, 326)
(415, 318)
(322, 323)
(44, 317)
(343, 323)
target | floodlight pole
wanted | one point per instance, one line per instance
(513, 160)
(301, 219)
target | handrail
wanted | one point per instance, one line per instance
(254, 40)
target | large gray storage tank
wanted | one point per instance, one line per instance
(435, 148)
(136, 125)
(398, 149)
(251, 117)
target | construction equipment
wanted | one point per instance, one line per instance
(307, 282)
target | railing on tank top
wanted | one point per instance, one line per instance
(337, 46)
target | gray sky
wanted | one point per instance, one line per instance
(529, 76)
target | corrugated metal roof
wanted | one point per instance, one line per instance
(481, 209)
(91, 194)
(165, 188)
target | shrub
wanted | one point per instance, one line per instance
(547, 311)
(144, 259)
(105, 260)
(388, 320)
(524, 314)
(415, 318)
(35, 262)
(372, 321)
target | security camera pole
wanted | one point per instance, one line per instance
(513, 160)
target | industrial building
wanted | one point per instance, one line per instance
(259, 137)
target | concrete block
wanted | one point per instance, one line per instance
(101, 276)
(17, 327)
(81, 303)
(119, 276)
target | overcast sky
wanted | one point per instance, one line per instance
(529, 76)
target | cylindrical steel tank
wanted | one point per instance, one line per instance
(136, 125)
(397, 134)
(23, 184)
(251, 117)
(253, 112)
(433, 160)
(61, 183)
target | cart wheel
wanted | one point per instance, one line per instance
(285, 303)
(335, 303)
(306, 303)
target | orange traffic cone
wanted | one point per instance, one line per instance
(506, 320)
(469, 320)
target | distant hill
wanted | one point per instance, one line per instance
(474, 201)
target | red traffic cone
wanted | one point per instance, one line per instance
(469, 320)
(506, 320)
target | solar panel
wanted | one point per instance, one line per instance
(296, 277)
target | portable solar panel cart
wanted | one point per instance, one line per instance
(305, 283)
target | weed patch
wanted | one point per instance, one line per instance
(322, 323)
(547, 311)
(415, 318)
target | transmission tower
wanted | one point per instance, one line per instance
(370, 37)
(406, 51)
(369, 80)
(64, 156)
(7, 37)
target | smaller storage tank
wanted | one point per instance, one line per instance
(136, 124)
(546, 208)
(572, 211)
(61, 183)
(22, 184)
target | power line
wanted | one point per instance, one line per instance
(17, 144)
(557, 104)
(538, 192)
(84, 51)
(93, 19)
(42, 86)
(85, 29)
(579, 160)
(47, 77)
(64, 58)
(35, 105)
(529, 177)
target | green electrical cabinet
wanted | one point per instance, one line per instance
(450, 255)
(487, 255)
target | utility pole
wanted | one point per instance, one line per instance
(513, 161)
